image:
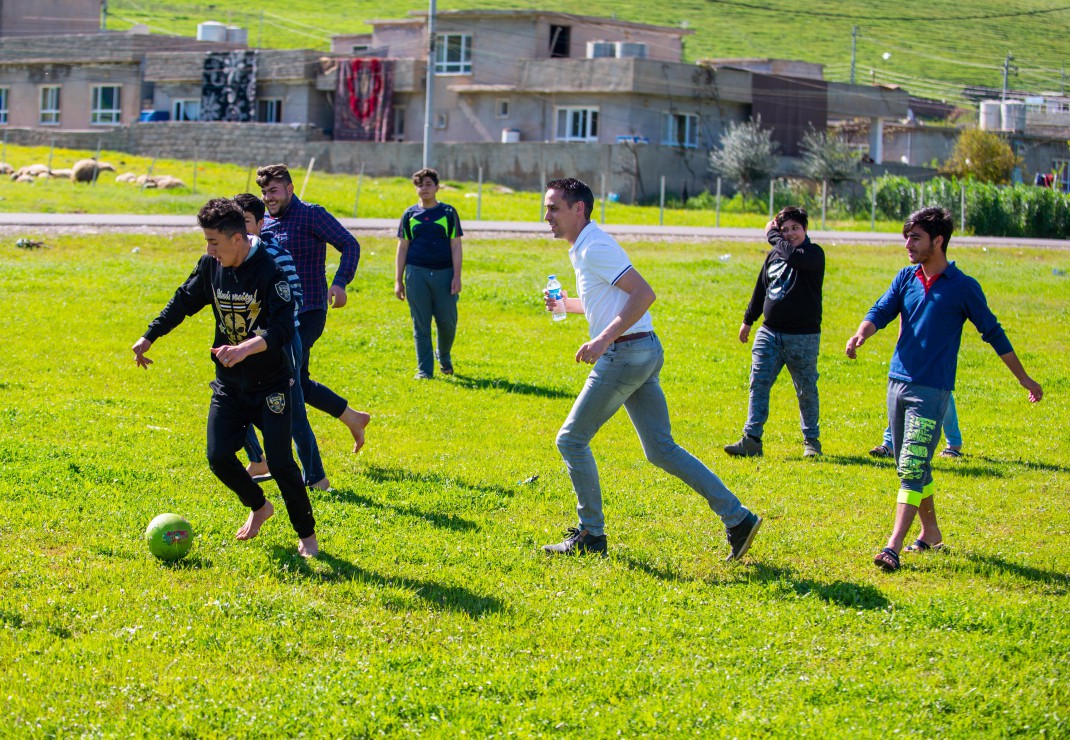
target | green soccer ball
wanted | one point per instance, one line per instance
(169, 536)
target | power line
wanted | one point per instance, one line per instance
(911, 19)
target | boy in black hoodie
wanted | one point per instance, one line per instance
(254, 314)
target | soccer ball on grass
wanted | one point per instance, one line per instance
(169, 536)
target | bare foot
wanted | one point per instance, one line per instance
(321, 485)
(255, 522)
(257, 468)
(356, 421)
(307, 547)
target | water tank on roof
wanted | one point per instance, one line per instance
(211, 31)
(1013, 116)
(991, 115)
(237, 35)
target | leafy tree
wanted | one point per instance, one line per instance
(983, 155)
(747, 154)
(829, 158)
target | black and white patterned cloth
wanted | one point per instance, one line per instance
(228, 88)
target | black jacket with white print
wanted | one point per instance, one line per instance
(252, 299)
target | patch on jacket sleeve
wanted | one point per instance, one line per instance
(283, 289)
(276, 402)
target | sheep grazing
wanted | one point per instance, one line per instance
(167, 182)
(87, 170)
(65, 173)
(126, 177)
(25, 178)
(31, 170)
(6, 169)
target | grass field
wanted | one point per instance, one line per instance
(343, 195)
(431, 611)
(933, 47)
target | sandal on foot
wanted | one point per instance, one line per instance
(923, 546)
(880, 451)
(950, 452)
(887, 560)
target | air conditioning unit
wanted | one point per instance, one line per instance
(631, 50)
(601, 49)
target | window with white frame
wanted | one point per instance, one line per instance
(1061, 169)
(501, 108)
(453, 54)
(186, 109)
(577, 124)
(269, 110)
(681, 129)
(105, 107)
(3, 105)
(49, 106)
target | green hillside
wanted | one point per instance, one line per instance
(932, 48)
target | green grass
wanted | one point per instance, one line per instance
(431, 611)
(934, 47)
(378, 197)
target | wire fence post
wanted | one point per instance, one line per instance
(249, 176)
(3, 154)
(96, 166)
(308, 174)
(479, 196)
(962, 208)
(921, 195)
(542, 184)
(873, 207)
(661, 208)
(772, 187)
(360, 182)
(51, 149)
(196, 156)
(603, 198)
(717, 218)
(148, 175)
(824, 200)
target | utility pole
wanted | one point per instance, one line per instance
(854, 40)
(1008, 69)
(429, 91)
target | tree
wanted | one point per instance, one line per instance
(747, 154)
(829, 158)
(983, 155)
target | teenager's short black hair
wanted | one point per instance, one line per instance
(222, 215)
(574, 190)
(251, 204)
(934, 221)
(419, 175)
(271, 172)
(792, 213)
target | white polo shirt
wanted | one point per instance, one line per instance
(599, 263)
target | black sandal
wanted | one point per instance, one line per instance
(887, 560)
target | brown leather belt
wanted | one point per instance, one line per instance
(630, 337)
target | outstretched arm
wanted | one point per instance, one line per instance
(865, 330)
(1015, 366)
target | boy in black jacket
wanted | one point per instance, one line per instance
(254, 323)
(788, 292)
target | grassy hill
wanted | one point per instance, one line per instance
(933, 47)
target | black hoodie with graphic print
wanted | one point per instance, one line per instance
(788, 290)
(252, 299)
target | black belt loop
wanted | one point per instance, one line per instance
(630, 337)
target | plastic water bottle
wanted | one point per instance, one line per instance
(553, 288)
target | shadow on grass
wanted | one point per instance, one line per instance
(994, 464)
(991, 565)
(451, 598)
(193, 562)
(660, 572)
(445, 521)
(872, 462)
(841, 593)
(508, 386)
(380, 474)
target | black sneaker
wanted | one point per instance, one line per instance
(741, 535)
(578, 542)
(745, 447)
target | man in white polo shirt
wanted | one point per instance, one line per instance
(627, 357)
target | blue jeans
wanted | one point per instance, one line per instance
(428, 294)
(950, 424)
(773, 350)
(308, 450)
(627, 375)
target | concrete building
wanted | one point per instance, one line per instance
(49, 17)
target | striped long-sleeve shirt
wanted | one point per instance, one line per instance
(304, 230)
(286, 264)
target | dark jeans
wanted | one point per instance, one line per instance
(308, 450)
(317, 395)
(773, 350)
(428, 293)
(229, 415)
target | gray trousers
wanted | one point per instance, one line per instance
(627, 375)
(914, 414)
(428, 294)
